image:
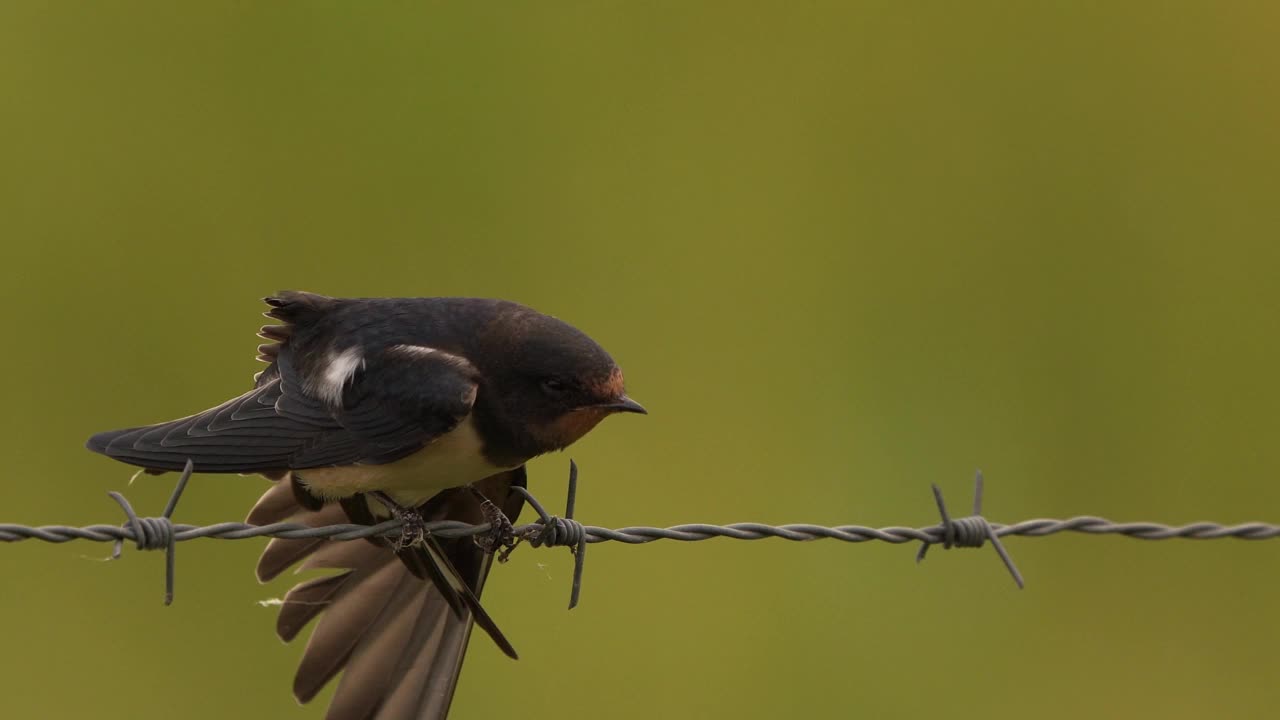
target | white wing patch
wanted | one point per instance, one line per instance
(338, 371)
(422, 351)
(417, 350)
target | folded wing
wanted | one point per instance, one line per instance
(390, 405)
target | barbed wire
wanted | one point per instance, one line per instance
(156, 533)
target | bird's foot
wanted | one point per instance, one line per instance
(501, 534)
(412, 531)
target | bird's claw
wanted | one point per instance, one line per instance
(501, 534)
(412, 531)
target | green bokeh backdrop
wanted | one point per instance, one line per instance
(842, 249)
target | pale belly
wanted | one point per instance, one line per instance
(449, 461)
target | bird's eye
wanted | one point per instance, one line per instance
(553, 386)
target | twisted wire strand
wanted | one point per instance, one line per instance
(639, 535)
(973, 531)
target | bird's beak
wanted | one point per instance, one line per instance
(626, 404)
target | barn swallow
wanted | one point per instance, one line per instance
(422, 408)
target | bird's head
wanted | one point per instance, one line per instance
(551, 380)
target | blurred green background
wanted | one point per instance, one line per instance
(842, 250)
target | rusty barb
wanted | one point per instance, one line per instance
(161, 533)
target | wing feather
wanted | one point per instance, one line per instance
(392, 408)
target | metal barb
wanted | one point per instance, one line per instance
(970, 531)
(154, 533)
(580, 551)
(551, 531)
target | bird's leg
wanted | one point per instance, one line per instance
(411, 530)
(501, 533)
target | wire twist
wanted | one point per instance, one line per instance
(552, 531)
(967, 532)
(971, 531)
(155, 533)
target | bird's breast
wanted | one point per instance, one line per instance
(451, 460)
